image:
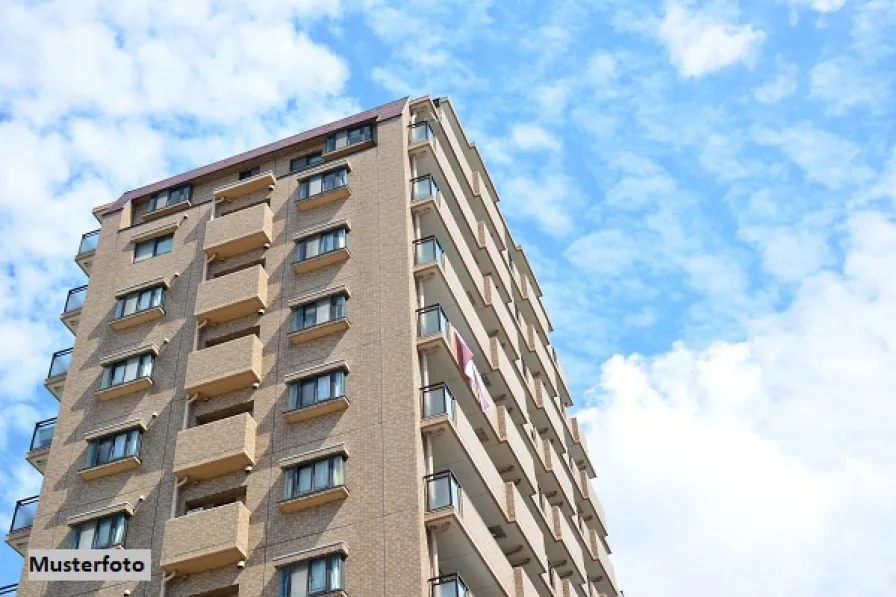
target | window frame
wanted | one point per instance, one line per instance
(297, 387)
(107, 380)
(333, 561)
(340, 176)
(133, 443)
(156, 241)
(338, 310)
(183, 192)
(292, 476)
(316, 156)
(119, 520)
(121, 303)
(339, 241)
(364, 130)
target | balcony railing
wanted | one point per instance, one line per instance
(424, 188)
(443, 491)
(60, 362)
(449, 585)
(9, 591)
(428, 250)
(24, 514)
(43, 434)
(419, 132)
(89, 242)
(432, 320)
(438, 401)
(75, 299)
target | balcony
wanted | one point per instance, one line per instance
(239, 232)
(247, 186)
(420, 135)
(465, 544)
(565, 549)
(242, 293)
(206, 540)
(424, 188)
(59, 364)
(600, 568)
(20, 529)
(86, 251)
(224, 368)
(456, 447)
(216, 448)
(40, 444)
(579, 447)
(71, 313)
(449, 585)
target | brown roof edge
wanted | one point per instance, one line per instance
(380, 113)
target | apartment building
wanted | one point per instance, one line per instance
(320, 367)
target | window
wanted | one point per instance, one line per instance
(101, 533)
(114, 447)
(250, 173)
(313, 577)
(139, 301)
(305, 161)
(322, 183)
(127, 370)
(313, 390)
(349, 137)
(170, 197)
(319, 244)
(312, 314)
(313, 477)
(153, 247)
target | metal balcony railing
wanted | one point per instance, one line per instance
(428, 250)
(443, 491)
(437, 401)
(9, 590)
(89, 242)
(432, 320)
(424, 187)
(420, 131)
(60, 362)
(75, 299)
(449, 585)
(43, 434)
(24, 514)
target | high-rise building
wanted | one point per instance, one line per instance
(320, 367)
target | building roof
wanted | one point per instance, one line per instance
(380, 113)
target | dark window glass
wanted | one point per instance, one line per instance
(142, 300)
(322, 183)
(313, 477)
(153, 247)
(250, 173)
(170, 197)
(319, 244)
(349, 137)
(318, 312)
(305, 161)
(307, 392)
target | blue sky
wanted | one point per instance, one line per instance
(706, 190)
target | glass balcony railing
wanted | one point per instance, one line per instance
(419, 132)
(449, 585)
(89, 242)
(43, 434)
(443, 491)
(75, 299)
(9, 591)
(24, 515)
(432, 320)
(60, 363)
(424, 188)
(428, 250)
(438, 401)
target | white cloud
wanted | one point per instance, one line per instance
(843, 84)
(833, 161)
(767, 461)
(528, 136)
(782, 85)
(822, 6)
(548, 198)
(699, 43)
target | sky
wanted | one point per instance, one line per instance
(706, 190)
